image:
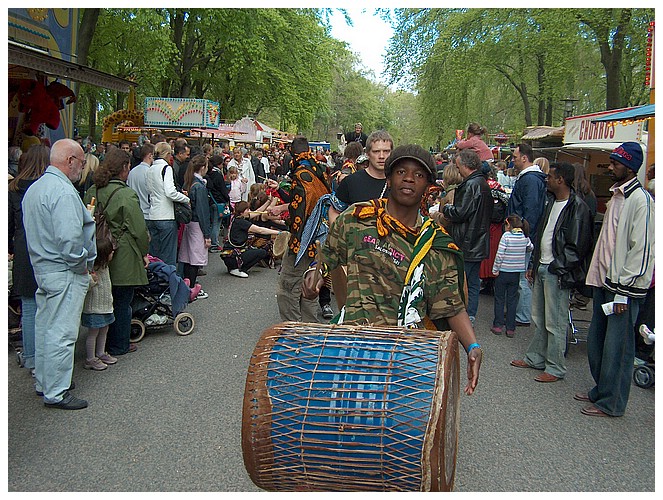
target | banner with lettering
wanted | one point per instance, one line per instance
(581, 129)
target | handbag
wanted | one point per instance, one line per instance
(183, 212)
(222, 208)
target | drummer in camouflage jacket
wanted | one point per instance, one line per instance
(403, 269)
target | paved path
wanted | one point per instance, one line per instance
(168, 417)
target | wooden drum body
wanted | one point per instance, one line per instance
(352, 408)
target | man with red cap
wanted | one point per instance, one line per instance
(620, 273)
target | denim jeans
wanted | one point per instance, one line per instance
(473, 287)
(506, 291)
(119, 332)
(550, 315)
(216, 225)
(524, 309)
(611, 351)
(28, 312)
(163, 240)
(59, 300)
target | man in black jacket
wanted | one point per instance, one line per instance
(470, 222)
(218, 191)
(561, 252)
(258, 167)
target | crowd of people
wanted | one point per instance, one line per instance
(401, 238)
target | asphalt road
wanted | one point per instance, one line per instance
(167, 418)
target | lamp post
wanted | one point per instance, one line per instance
(568, 107)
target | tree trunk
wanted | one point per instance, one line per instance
(86, 33)
(92, 117)
(611, 57)
(541, 80)
(549, 112)
(119, 101)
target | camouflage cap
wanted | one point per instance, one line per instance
(412, 152)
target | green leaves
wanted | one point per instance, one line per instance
(509, 68)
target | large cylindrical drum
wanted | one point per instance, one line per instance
(352, 408)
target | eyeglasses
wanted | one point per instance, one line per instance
(83, 161)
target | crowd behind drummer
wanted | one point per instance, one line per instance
(414, 200)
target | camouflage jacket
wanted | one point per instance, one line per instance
(377, 268)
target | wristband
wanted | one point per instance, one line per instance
(473, 346)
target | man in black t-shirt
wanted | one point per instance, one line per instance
(369, 183)
(358, 135)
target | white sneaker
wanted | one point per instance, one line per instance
(239, 274)
(202, 294)
(646, 334)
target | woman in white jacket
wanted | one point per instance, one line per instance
(162, 193)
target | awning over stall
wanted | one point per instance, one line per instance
(21, 55)
(636, 113)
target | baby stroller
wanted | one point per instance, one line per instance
(643, 374)
(576, 331)
(161, 302)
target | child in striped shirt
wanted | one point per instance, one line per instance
(510, 261)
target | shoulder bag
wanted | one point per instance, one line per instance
(183, 212)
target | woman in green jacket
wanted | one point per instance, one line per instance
(127, 225)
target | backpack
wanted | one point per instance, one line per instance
(103, 229)
(500, 203)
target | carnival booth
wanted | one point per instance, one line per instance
(124, 124)
(589, 140)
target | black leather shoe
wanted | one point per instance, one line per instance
(71, 388)
(68, 402)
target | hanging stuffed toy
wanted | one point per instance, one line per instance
(38, 106)
(42, 104)
(58, 92)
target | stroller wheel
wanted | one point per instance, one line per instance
(137, 330)
(643, 376)
(184, 323)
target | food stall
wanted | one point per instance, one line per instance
(589, 140)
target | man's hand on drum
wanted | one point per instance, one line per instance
(312, 283)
